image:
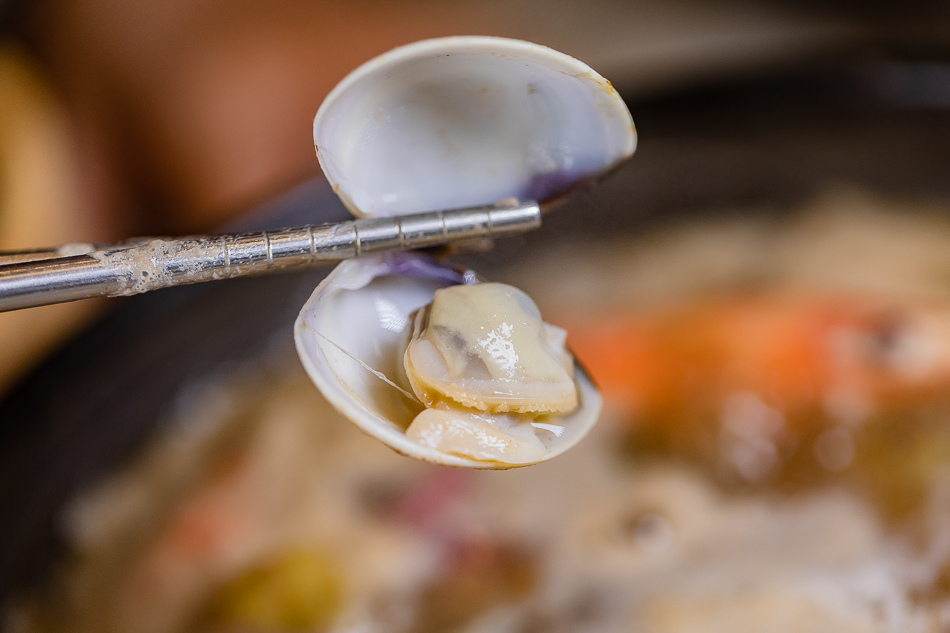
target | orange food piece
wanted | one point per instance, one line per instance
(797, 352)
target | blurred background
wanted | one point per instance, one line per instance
(765, 305)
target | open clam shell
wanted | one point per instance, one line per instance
(465, 121)
(444, 124)
(351, 336)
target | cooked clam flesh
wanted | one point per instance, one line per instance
(484, 437)
(486, 367)
(485, 347)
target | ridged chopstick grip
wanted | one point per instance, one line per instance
(83, 271)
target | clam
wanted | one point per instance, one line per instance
(431, 359)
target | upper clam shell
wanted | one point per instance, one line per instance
(465, 121)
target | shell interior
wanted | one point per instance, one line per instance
(465, 121)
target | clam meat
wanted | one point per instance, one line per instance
(484, 346)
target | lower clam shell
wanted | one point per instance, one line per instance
(351, 336)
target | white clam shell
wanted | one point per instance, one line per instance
(465, 121)
(354, 329)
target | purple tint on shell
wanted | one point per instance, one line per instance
(418, 265)
(554, 184)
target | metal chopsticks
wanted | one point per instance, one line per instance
(80, 271)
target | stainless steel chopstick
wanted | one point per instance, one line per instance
(80, 271)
